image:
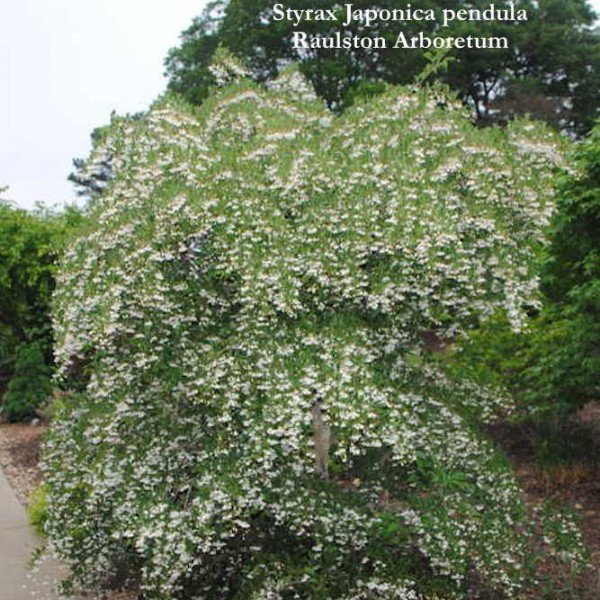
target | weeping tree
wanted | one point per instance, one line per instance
(249, 407)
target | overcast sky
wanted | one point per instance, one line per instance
(64, 66)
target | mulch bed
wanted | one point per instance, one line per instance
(19, 457)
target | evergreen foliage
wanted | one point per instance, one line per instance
(29, 386)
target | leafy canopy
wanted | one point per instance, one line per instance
(573, 274)
(551, 70)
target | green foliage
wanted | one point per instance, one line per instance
(573, 281)
(539, 364)
(30, 243)
(555, 50)
(29, 386)
(256, 261)
(27, 255)
(365, 90)
(437, 62)
(37, 509)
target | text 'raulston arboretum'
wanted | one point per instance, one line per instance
(347, 15)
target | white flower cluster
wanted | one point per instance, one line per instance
(226, 69)
(384, 590)
(292, 82)
(254, 258)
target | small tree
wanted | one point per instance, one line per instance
(573, 281)
(244, 322)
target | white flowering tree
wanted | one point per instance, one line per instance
(251, 415)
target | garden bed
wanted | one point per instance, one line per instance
(572, 482)
(19, 457)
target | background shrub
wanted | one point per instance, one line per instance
(30, 243)
(29, 386)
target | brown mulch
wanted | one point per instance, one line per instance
(19, 457)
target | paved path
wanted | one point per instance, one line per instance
(17, 541)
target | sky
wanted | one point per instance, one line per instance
(65, 65)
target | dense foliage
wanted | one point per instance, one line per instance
(551, 70)
(248, 412)
(552, 366)
(573, 282)
(30, 243)
(531, 363)
(30, 384)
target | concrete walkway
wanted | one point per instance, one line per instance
(17, 541)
